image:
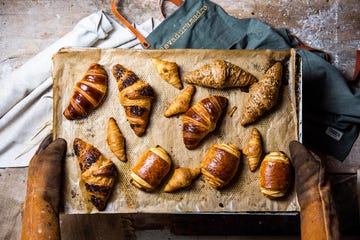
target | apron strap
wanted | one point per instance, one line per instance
(327, 57)
(305, 47)
(357, 66)
(138, 35)
(177, 3)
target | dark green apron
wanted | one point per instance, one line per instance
(331, 109)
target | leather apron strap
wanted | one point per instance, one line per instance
(357, 66)
(305, 47)
(138, 35)
(177, 3)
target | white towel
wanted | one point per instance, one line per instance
(26, 93)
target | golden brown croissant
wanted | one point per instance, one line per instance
(263, 95)
(168, 71)
(220, 164)
(89, 92)
(201, 119)
(253, 150)
(136, 96)
(181, 178)
(151, 169)
(181, 103)
(220, 74)
(116, 140)
(275, 174)
(97, 172)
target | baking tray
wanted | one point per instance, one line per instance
(242, 194)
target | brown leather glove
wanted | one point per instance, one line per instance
(317, 215)
(41, 213)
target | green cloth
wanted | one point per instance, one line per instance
(331, 109)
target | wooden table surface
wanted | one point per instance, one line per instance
(28, 27)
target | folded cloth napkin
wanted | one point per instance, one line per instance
(26, 107)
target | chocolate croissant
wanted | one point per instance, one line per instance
(263, 95)
(220, 164)
(136, 96)
(89, 92)
(181, 103)
(181, 178)
(275, 174)
(253, 149)
(151, 169)
(201, 119)
(168, 71)
(116, 140)
(97, 172)
(220, 74)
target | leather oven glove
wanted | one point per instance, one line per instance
(317, 215)
(41, 213)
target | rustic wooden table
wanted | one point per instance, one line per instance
(28, 27)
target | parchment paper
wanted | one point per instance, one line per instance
(277, 128)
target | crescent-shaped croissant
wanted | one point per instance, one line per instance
(136, 96)
(151, 169)
(181, 178)
(220, 74)
(116, 140)
(97, 172)
(89, 92)
(263, 95)
(168, 71)
(220, 164)
(181, 103)
(253, 149)
(201, 119)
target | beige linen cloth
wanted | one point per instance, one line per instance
(26, 93)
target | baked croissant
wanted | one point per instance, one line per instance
(275, 174)
(181, 103)
(201, 119)
(116, 140)
(181, 178)
(168, 71)
(220, 74)
(151, 169)
(89, 92)
(97, 172)
(220, 164)
(253, 150)
(263, 95)
(136, 96)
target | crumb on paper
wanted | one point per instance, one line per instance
(232, 111)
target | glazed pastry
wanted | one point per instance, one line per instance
(220, 164)
(97, 172)
(275, 174)
(201, 119)
(136, 96)
(151, 169)
(263, 95)
(116, 140)
(181, 103)
(89, 92)
(168, 71)
(254, 149)
(220, 74)
(181, 178)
